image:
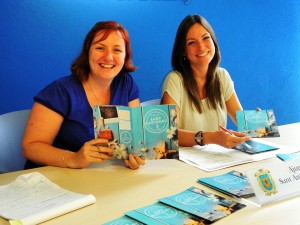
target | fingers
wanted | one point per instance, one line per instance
(134, 162)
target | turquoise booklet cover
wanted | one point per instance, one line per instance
(162, 214)
(148, 131)
(256, 123)
(206, 205)
(254, 147)
(124, 220)
(233, 183)
(287, 157)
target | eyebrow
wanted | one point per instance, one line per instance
(206, 33)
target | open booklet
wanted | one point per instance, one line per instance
(33, 199)
(148, 131)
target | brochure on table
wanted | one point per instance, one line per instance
(191, 206)
(287, 157)
(214, 157)
(233, 183)
(274, 182)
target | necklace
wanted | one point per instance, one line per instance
(94, 93)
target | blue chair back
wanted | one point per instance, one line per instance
(12, 126)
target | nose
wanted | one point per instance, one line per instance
(108, 55)
(200, 45)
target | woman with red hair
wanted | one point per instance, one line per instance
(60, 129)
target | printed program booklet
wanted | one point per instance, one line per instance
(256, 123)
(124, 220)
(288, 156)
(254, 147)
(233, 183)
(162, 214)
(200, 203)
(146, 131)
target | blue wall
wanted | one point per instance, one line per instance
(259, 41)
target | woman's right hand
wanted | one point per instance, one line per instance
(91, 151)
(227, 140)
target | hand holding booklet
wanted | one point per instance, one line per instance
(33, 199)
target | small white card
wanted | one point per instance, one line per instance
(274, 182)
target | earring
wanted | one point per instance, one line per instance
(183, 57)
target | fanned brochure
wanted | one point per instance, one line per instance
(254, 147)
(233, 183)
(257, 124)
(287, 157)
(162, 214)
(148, 131)
(124, 220)
(206, 205)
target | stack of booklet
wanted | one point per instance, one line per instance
(191, 206)
(233, 183)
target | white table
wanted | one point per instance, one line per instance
(118, 189)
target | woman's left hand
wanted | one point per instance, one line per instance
(134, 162)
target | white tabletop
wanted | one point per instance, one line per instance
(118, 189)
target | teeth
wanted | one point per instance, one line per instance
(203, 54)
(106, 66)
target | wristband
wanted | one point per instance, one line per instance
(199, 138)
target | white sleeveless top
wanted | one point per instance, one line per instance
(190, 119)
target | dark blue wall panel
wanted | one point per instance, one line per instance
(259, 40)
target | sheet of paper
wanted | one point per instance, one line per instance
(32, 199)
(214, 157)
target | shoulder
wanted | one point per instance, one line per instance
(66, 81)
(223, 74)
(174, 76)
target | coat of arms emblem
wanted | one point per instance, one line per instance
(266, 181)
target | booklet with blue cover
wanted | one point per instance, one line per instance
(200, 203)
(257, 123)
(254, 147)
(146, 131)
(287, 157)
(162, 214)
(123, 220)
(233, 183)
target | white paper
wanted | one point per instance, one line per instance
(214, 157)
(32, 199)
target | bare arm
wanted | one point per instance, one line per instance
(186, 137)
(42, 128)
(232, 105)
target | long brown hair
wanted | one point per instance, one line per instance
(212, 86)
(81, 68)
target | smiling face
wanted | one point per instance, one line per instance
(107, 57)
(200, 48)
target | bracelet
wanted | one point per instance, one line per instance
(199, 138)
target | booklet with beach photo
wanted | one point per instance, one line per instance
(146, 131)
(257, 123)
(233, 183)
(200, 203)
(254, 147)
